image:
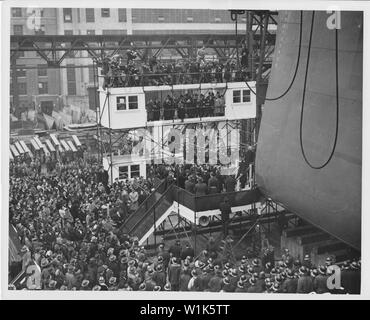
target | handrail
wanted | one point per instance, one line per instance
(173, 188)
(170, 188)
(144, 203)
(174, 77)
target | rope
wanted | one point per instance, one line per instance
(295, 71)
(304, 98)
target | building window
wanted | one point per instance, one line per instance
(246, 96)
(90, 32)
(122, 15)
(18, 30)
(189, 19)
(67, 14)
(122, 172)
(43, 87)
(236, 96)
(41, 70)
(71, 80)
(121, 103)
(40, 31)
(16, 12)
(90, 15)
(21, 72)
(135, 171)
(68, 32)
(133, 102)
(160, 19)
(92, 73)
(217, 19)
(71, 88)
(105, 12)
(22, 88)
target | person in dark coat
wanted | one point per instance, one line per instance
(184, 280)
(187, 252)
(213, 184)
(351, 279)
(174, 271)
(215, 283)
(190, 185)
(320, 282)
(159, 276)
(225, 209)
(305, 283)
(230, 184)
(175, 249)
(201, 188)
(252, 288)
(227, 286)
(290, 283)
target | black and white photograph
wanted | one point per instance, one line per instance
(184, 148)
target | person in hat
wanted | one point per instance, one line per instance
(351, 279)
(233, 276)
(113, 284)
(194, 283)
(187, 252)
(70, 277)
(289, 284)
(162, 252)
(85, 285)
(225, 209)
(307, 262)
(149, 282)
(305, 282)
(103, 286)
(159, 276)
(252, 288)
(320, 281)
(240, 287)
(174, 272)
(276, 288)
(185, 277)
(201, 188)
(142, 287)
(175, 249)
(287, 258)
(26, 257)
(227, 286)
(157, 288)
(52, 285)
(215, 283)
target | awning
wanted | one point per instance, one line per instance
(49, 145)
(38, 141)
(25, 148)
(65, 145)
(19, 147)
(10, 155)
(70, 143)
(76, 140)
(14, 150)
(54, 139)
(35, 144)
(46, 151)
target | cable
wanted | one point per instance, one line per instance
(295, 72)
(304, 96)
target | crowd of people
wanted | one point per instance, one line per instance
(120, 71)
(188, 105)
(106, 262)
(69, 223)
